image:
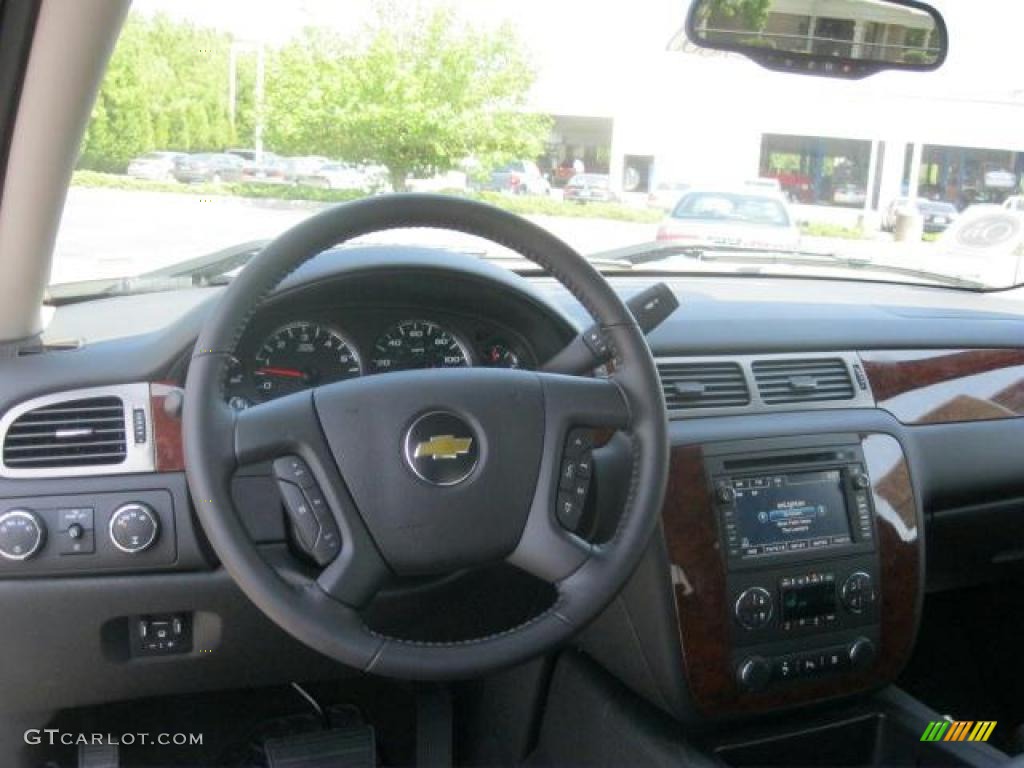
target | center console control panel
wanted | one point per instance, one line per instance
(797, 530)
(86, 533)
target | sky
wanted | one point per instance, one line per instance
(608, 44)
(609, 58)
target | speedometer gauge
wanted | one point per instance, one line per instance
(416, 344)
(302, 355)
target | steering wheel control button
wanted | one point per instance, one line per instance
(304, 522)
(294, 470)
(858, 592)
(754, 608)
(579, 442)
(22, 534)
(569, 510)
(134, 527)
(441, 448)
(584, 466)
(316, 532)
(567, 478)
(574, 478)
(328, 545)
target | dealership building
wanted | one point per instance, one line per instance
(662, 111)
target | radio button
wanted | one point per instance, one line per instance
(725, 494)
(809, 664)
(785, 668)
(754, 608)
(834, 658)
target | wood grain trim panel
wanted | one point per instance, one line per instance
(170, 454)
(943, 386)
(705, 624)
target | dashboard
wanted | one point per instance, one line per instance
(893, 386)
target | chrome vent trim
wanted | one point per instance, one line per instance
(77, 433)
(703, 384)
(803, 380)
(840, 366)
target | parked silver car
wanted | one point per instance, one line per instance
(154, 166)
(521, 177)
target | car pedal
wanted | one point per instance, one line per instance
(98, 756)
(351, 747)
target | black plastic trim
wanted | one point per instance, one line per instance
(17, 28)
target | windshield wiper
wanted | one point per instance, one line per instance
(211, 269)
(648, 253)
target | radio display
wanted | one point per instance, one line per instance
(793, 512)
(808, 601)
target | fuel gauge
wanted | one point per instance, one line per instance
(500, 355)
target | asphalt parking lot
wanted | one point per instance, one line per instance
(113, 233)
(108, 233)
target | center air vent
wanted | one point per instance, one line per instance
(71, 433)
(703, 385)
(802, 380)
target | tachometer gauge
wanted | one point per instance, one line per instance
(416, 344)
(302, 355)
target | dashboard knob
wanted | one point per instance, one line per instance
(861, 481)
(754, 673)
(725, 494)
(857, 592)
(134, 527)
(754, 608)
(861, 652)
(21, 534)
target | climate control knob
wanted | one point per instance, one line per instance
(754, 608)
(134, 527)
(857, 592)
(21, 534)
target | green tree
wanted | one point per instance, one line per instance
(165, 88)
(417, 93)
(751, 15)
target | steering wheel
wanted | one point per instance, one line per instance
(428, 472)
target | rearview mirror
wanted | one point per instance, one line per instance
(833, 38)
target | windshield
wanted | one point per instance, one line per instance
(222, 124)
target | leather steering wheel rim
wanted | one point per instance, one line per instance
(323, 612)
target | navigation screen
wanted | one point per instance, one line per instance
(788, 513)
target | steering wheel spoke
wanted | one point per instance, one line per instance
(577, 411)
(325, 518)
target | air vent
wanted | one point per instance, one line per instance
(803, 380)
(70, 433)
(703, 385)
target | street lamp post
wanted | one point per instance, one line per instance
(258, 91)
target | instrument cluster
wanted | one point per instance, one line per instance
(296, 354)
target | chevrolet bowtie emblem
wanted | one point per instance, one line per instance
(443, 447)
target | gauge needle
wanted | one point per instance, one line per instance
(290, 373)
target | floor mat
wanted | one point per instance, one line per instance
(234, 725)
